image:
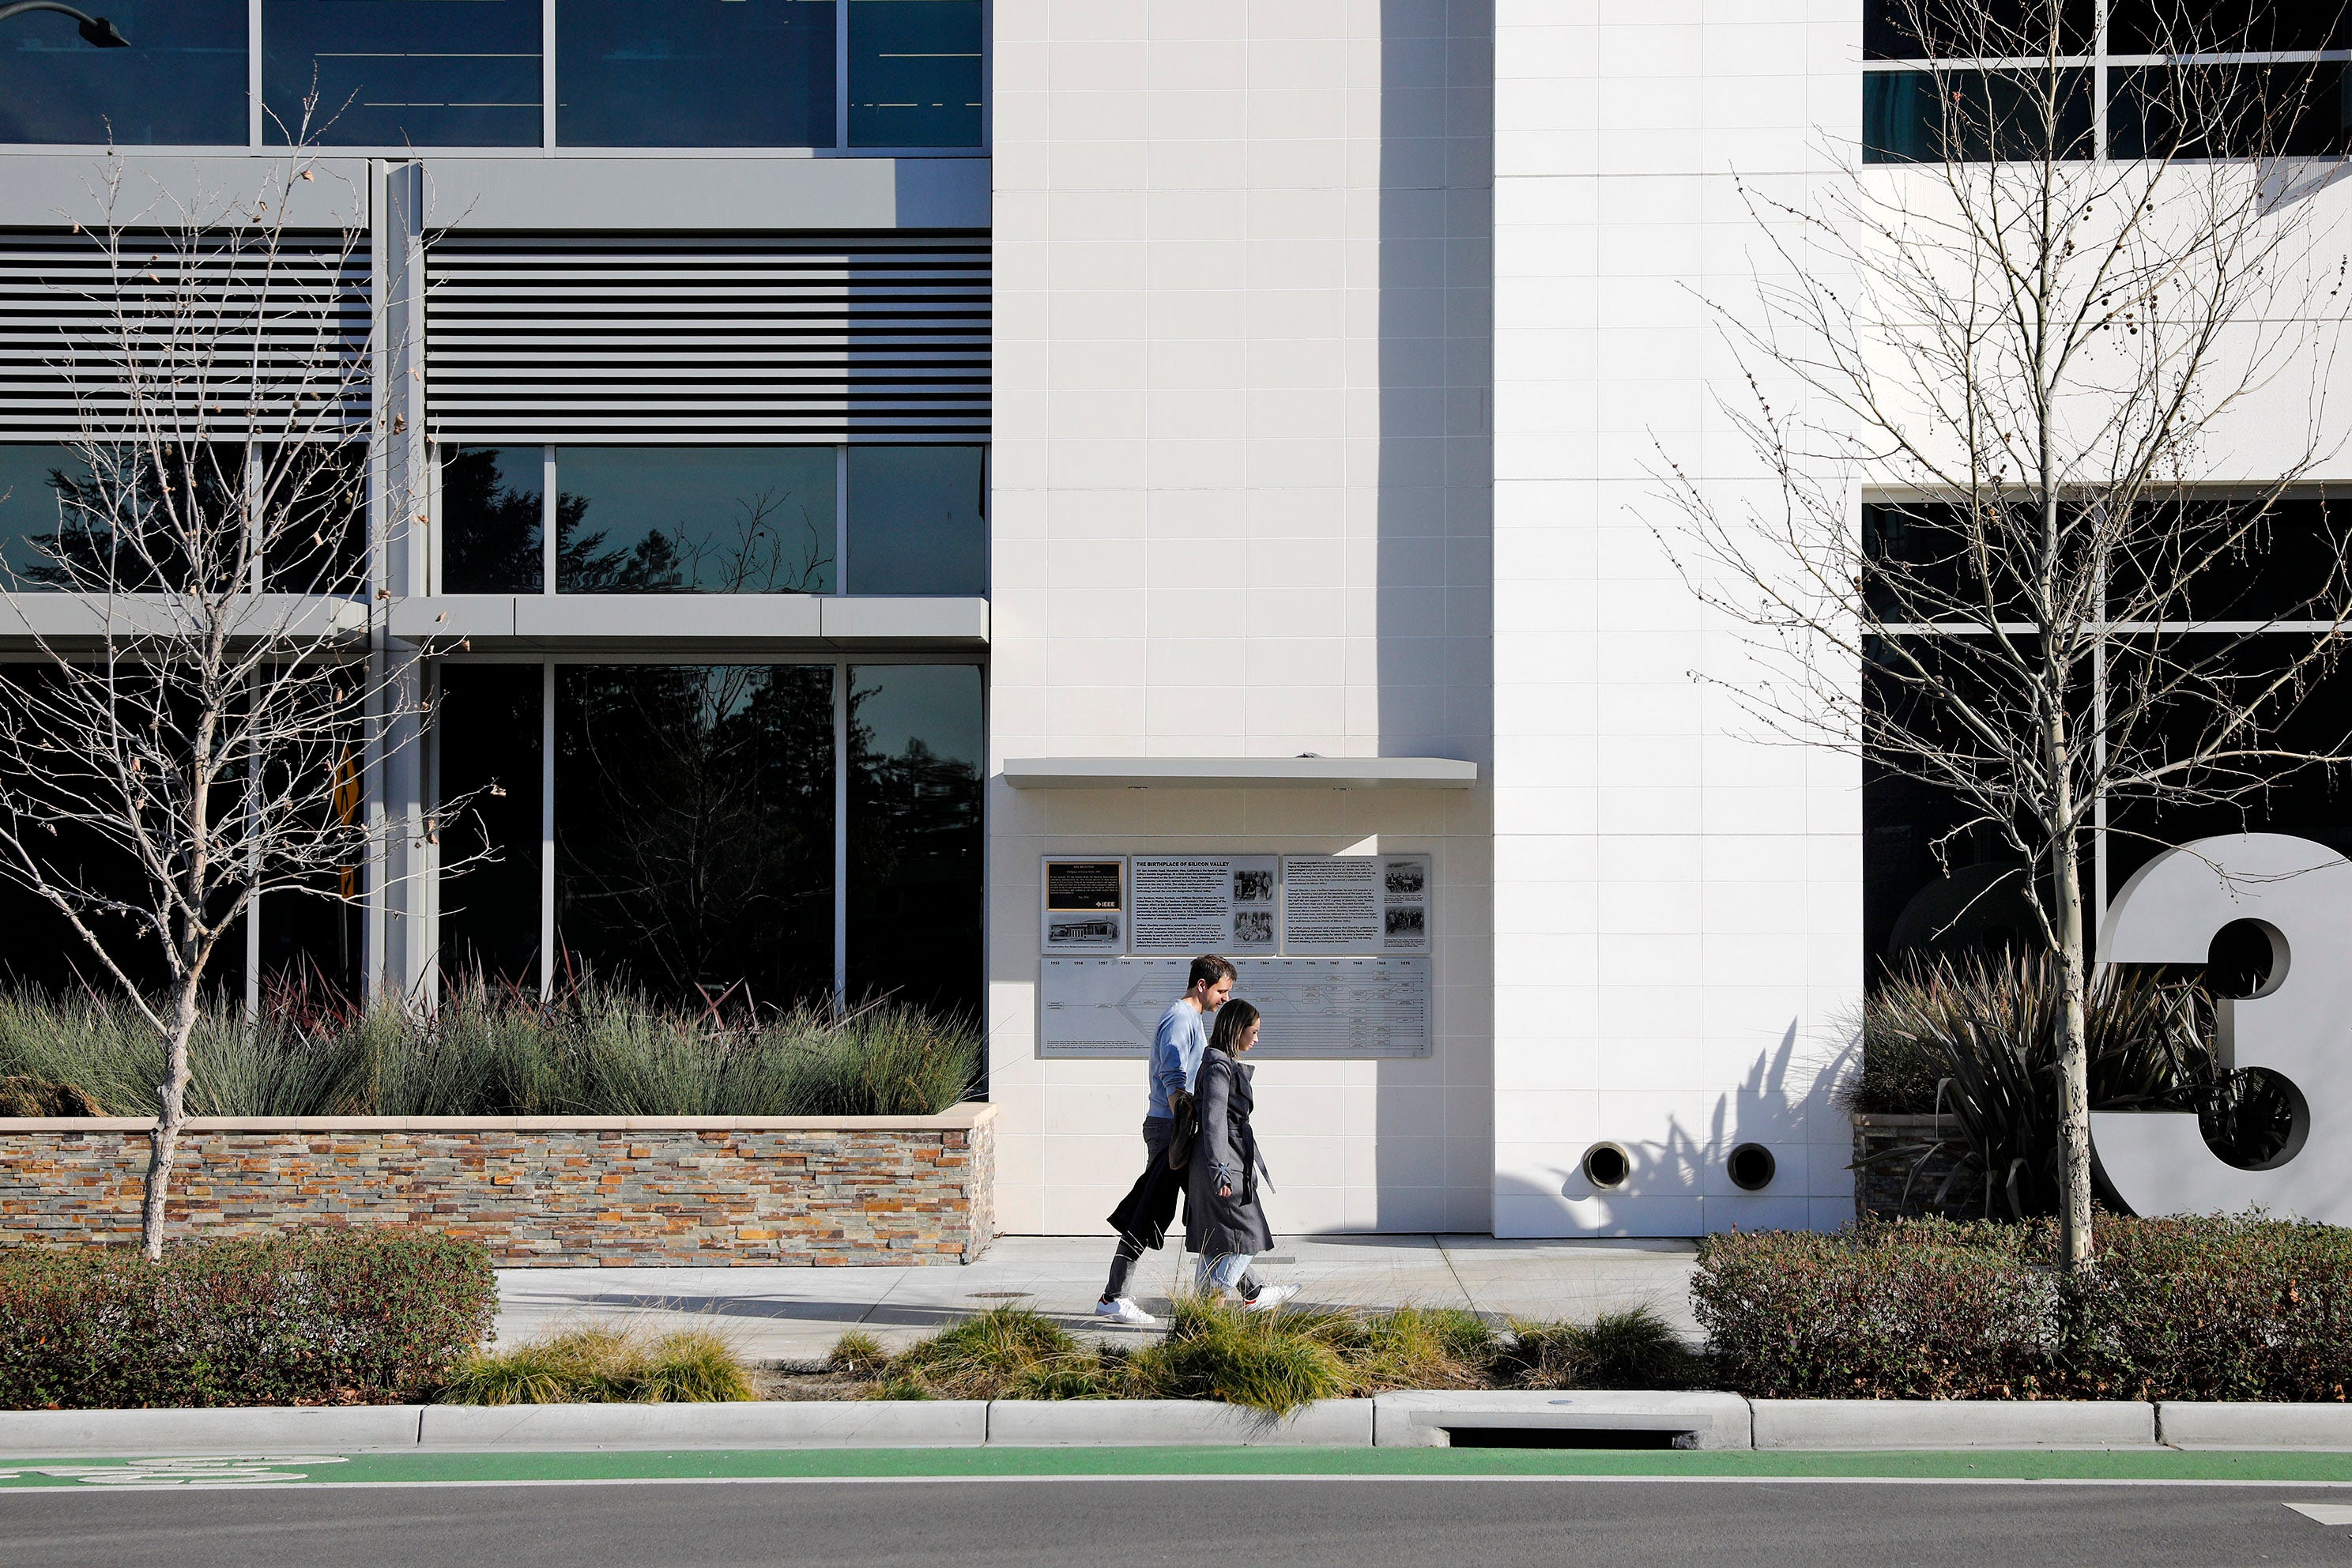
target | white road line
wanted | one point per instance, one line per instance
(2323, 1512)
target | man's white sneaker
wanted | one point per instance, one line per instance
(1124, 1310)
(1271, 1297)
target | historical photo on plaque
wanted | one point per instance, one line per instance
(1404, 903)
(1084, 905)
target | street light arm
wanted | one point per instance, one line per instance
(97, 31)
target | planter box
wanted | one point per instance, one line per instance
(1894, 1188)
(540, 1191)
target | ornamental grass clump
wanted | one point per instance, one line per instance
(1631, 1348)
(1005, 1352)
(596, 1365)
(486, 1050)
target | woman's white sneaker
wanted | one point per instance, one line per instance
(1125, 1311)
(1271, 1297)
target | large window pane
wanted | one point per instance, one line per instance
(696, 519)
(488, 733)
(1973, 29)
(2297, 110)
(694, 73)
(694, 828)
(182, 80)
(397, 73)
(914, 73)
(1927, 116)
(916, 759)
(67, 525)
(313, 510)
(918, 520)
(2225, 26)
(491, 518)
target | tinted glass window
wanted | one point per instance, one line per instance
(694, 828)
(1973, 29)
(491, 519)
(696, 519)
(64, 525)
(918, 520)
(2297, 109)
(914, 73)
(916, 759)
(315, 521)
(1924, 116)
(694, 73)
(488, 730)
(39, 487)
(2224, 26)
(180, 80)
(396, 73)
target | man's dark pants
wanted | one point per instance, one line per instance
(1142, 1216)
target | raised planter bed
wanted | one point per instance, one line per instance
(539, 1191)
(1893, 1189)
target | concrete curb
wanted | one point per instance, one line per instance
(812, 1424)
(2183, 1424)
(1416, 1419)
(284, 1429)
(1440, 1419)
(1130, 1423)
(1952, 1423)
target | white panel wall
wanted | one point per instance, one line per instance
(1241, 508)
(1677, 912)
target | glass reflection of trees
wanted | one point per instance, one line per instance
(693, 827)
(915, 843)
(709, 520)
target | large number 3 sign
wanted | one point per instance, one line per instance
(2298, 1025)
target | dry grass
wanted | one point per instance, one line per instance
(596, 1365)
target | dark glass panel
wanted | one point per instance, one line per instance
(181, 81)
(918, 520)
(1932, 116)
(315, 516)
(399, 73)
(488, 733)
(1939, 876)
(310, 945)
(915, 847)
(914, 73)
(2188, 687)
(696, 519)
(694, 73)
(492, 512)
(1975, 29)
(694, 828)
(2224, 26)
(122, 518)
(2296, 111)
(2236, 561)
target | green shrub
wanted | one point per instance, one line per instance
(596, 1365)
(335, 1317)
(2174, 1309)
(596, 1050)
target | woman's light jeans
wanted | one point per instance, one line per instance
(1224, 1272)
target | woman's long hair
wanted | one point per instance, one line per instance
(1233, 1020)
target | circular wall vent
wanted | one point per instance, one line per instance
(1752, 1167)
(1607, 1165)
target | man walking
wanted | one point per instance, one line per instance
(1141, 1218)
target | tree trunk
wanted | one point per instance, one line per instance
(2074, 1055)
(171, 1112)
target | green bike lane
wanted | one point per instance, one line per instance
(395, 1468)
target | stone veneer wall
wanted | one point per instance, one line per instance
(1907, 1184)
(541, 1191)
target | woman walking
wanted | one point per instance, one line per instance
(1223, 1220)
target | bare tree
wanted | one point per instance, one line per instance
(208, 685)
(2045, 362)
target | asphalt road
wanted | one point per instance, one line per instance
(1369, 1522)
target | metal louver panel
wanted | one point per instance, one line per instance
(878, 335)
(182, 335)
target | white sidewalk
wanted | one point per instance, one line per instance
(795, 1314)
